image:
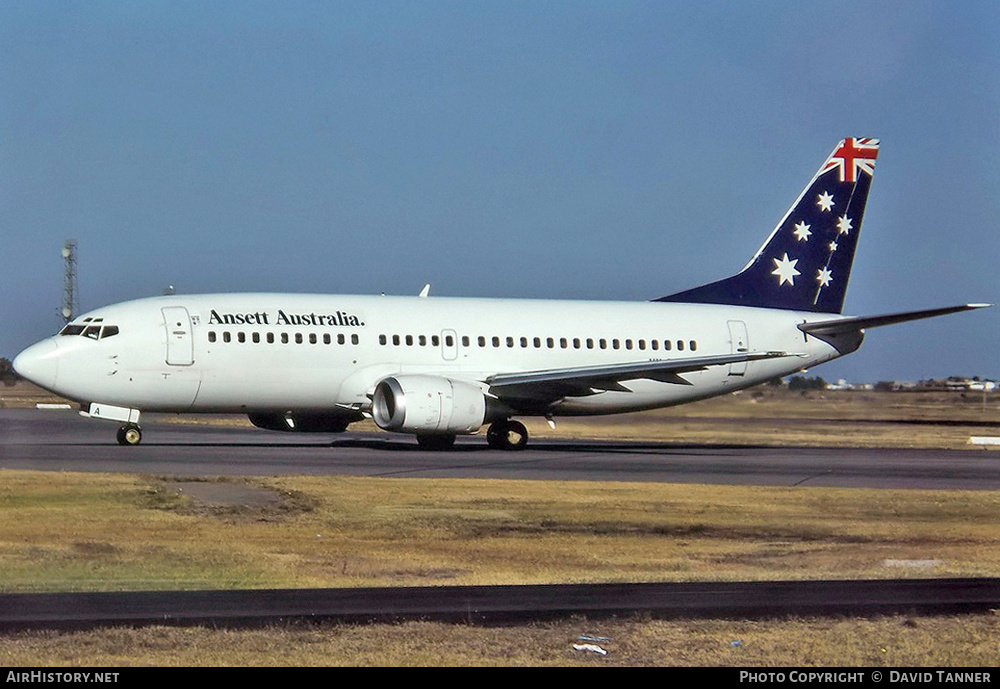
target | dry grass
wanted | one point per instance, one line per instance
(893, 641)
(117, 532)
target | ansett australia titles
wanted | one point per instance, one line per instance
(340, 319)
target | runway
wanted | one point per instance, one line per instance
(64, 441)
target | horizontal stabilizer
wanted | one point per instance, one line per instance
(846, 325)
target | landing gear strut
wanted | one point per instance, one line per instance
(507, 435)
(129, 434)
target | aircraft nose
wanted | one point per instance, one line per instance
(39, 363)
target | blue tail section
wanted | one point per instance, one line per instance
(805, 264)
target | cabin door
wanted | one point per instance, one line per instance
(180, 341)
(739, 344)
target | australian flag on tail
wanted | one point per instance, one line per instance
(806, 261)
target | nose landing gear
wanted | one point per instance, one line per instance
(129, 434)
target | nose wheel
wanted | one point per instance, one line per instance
(129, 434)
(507, 435)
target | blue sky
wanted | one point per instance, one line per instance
(604, 150)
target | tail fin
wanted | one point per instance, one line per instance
(806, 261)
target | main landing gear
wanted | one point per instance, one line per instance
(507, 435)
(129, 434)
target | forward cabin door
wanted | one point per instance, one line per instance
(180, 341)
(739, 344)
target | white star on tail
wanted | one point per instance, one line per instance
(824, 277)
(844, 225)
(825, 201)
(802, 232)
(785, 270)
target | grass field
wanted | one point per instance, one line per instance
(67, 531)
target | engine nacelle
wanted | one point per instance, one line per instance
(428, 404)
(312, 422)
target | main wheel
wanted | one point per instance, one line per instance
(507, 435)
(129, 435)
(435, 441)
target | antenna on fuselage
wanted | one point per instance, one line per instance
(71, 294)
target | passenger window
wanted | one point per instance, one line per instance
(465, 340)
(211, 336)
(327, 339)
(694, 345)
(284, 338)
(422, 340)
(255, 337)
(226, 337)
(524, 342)
(510, 341)
(270, 338)
(449, 341)
(312, 338)
(241, 337)
(409, 340)
(354, 339)
(482, 341)
(680, 345)
(667, 345)
(537, 342)
(563, 343)
(341, 339)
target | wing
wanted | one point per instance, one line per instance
(589, 380)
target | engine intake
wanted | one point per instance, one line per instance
(428, 404)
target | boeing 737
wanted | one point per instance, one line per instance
(441, 367)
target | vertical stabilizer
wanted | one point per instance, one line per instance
(806, 261)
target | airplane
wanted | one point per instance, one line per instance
(438, 367)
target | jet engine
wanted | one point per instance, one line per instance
(314, 422)
(428, 405)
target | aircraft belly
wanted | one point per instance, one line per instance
(298, 388)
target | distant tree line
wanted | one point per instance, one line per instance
(7, 373)
(803, 383)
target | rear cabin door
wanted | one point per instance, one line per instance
(739, 344)
(180, 341)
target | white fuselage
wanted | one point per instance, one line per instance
(278, 352)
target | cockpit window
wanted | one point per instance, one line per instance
(94, 331)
